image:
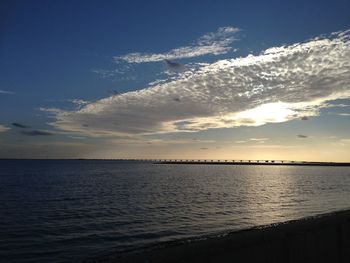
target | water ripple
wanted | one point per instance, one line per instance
(65, 211)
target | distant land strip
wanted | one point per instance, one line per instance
(198, 161)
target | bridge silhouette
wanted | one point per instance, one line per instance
(238, 162)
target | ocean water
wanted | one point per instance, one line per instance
(70, 211)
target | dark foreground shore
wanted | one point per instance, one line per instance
(324, 238)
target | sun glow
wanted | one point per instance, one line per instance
(271, 112)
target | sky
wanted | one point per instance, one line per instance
(175, 79)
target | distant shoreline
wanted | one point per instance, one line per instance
(278, 163)
(202, 162)
(321, 238)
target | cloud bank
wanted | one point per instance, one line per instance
(215, 43)
(280, 84)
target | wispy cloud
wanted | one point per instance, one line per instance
(3, 128)
(78, 102)
(36, 133)
(343, 114)
(271, 146)
(157, 142)
(121, 72)
(280, 84)
(77, 137)
(20, 125)
(336, 105)
(258, 140)
(214, 43)
(301, 136)
(6, 92)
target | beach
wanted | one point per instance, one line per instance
(323, 238)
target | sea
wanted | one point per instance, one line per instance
(75, 210)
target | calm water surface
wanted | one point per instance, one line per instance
(68, 211)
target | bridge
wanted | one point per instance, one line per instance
(238, 162)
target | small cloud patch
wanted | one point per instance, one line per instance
(301, 136)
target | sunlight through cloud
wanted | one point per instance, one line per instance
(278, 85)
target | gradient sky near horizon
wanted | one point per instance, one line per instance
(175, 79)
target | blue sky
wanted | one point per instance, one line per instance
(61, 58)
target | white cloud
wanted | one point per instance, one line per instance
(78, 102)
(214, 43)
(256, 140)
(259, 139)
(157, 81)
(278, 85)
(3, 128)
